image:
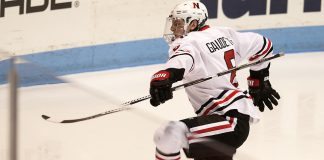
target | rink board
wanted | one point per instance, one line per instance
(143, 52)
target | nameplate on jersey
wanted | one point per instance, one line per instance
(218, 44)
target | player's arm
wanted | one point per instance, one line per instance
(253, 47)
(180, 63)
(161, 83)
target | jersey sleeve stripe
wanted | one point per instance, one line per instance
(271, 49)
(263, 51)
(193, 60)
(263, 46)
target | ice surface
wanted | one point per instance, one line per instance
(294, 130)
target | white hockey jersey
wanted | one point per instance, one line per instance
(210, 51)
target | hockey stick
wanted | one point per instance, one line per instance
(51, 119)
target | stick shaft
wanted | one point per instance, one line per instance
(125, 104)
(226, 72)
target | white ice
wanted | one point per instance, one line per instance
(293, 130)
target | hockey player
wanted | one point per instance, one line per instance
(224, 112)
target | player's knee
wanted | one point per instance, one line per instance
(171, 137)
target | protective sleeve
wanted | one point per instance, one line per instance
(251, 46)
(181, 56)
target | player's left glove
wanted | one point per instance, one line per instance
(260, 89)
(161, 83)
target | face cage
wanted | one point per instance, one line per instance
(178, 26)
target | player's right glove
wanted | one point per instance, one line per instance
(161, 83)
(260, 89)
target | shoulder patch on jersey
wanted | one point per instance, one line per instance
(175, 48)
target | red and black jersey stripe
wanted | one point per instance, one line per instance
(264, 51)
(210, 100)
(225, 99)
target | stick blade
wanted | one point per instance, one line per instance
(50, 119)
(53, 120)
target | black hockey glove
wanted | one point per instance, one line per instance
(161, 83)
(260, 89)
